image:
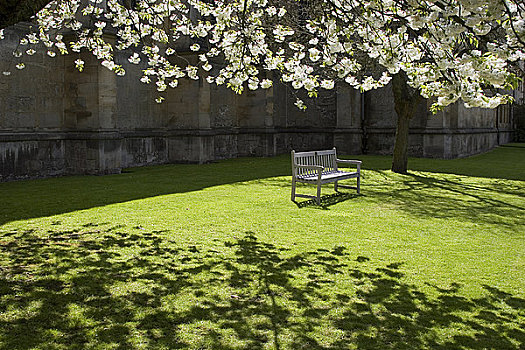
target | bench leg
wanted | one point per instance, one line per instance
(293, 189)
(359, 178)
(335, 186)
(318, 192)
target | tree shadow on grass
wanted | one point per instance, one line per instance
(430, 195)
(506, 162)
(452, 197)
(110, 287)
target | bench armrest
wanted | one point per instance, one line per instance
(348, 161)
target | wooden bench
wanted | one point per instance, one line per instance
(320, 167)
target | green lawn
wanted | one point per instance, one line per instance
(216, 256)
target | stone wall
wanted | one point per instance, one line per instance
(55, 120)
(519, 118)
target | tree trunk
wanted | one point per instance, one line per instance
(406, 101)
(400, 156)
(14, 11)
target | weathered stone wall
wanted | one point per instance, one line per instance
(31, 106)
(455, 132)
(31, 158)
(519, 117)
(55, 120)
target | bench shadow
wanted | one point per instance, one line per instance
(82, 288)
(327, 200)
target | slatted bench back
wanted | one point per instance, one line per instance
(326, 159)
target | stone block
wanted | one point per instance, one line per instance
(21, 104)
(20, 121)
(225, 146)
(251, 109)
(348, 142)
(75, 156)
(87, 90)
(50, 120)
(348, 107)
(304, 141)
(255, 145)
(109, 161)
(140, 151)
(22, 159)
(433, 145)
(380, 142)
(191, 149)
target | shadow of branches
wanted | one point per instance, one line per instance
(505, 162)
(114, 287)
(448, 196)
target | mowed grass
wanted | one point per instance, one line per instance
(216, 256)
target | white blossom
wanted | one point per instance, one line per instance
(300, 104)
(135, 58)
(79, 63)
(441, 56)
(327, 84)
(266, 83)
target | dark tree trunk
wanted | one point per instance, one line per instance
(400, 155)
(406, 101)
(14, 11)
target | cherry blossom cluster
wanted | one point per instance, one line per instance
(450, 50)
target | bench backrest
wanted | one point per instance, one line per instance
(326, 159)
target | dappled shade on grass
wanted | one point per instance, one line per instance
(116, 287)
(446, 196)
(506, 162)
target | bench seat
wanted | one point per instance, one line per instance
(327, 177)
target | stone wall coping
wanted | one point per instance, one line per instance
(440, 131)
(122, 134)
